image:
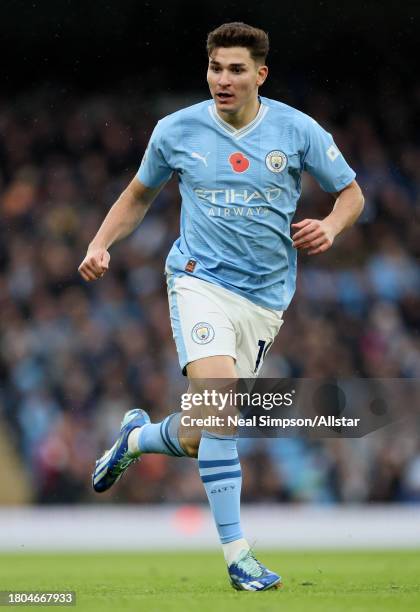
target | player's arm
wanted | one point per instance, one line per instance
(316, 236)
(122, 219)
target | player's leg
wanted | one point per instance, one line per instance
(221, 474)
(256, 328)
(200, 329)
(218, 460)
(203, 335)
(219, 465)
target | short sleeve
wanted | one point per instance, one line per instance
(154, 169)
(324, 161)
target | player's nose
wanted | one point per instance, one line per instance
(223, 79)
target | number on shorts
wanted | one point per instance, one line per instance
(263, 347)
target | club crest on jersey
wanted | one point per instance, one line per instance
(276, 161)
(202, 333)
(239, 162)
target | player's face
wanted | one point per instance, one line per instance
(234, 78)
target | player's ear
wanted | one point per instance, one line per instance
(261, 75)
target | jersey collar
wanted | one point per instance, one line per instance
(244, 131)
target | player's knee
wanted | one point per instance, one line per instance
(190, 446)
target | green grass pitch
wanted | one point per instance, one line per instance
(313, 581)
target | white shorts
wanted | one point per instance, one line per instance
(209, 320)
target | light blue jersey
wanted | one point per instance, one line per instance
(239, 193)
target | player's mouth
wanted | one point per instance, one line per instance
(224, 97)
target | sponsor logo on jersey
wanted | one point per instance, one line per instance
(239, 162)
(239, 211)
(239, 196)
(276, 161)
(202, 333)
(202, 158)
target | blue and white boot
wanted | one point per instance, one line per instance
(114, 462)
(248, 574)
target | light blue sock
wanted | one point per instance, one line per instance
(162, 438)
(221, 474)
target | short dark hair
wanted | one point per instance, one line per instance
(238, 34)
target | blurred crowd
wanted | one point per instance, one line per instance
(75, 356)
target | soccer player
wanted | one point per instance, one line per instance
(239, 159)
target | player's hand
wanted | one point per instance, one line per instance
(313, 236)
(95, 264)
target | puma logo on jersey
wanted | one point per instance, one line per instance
(201, 157)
